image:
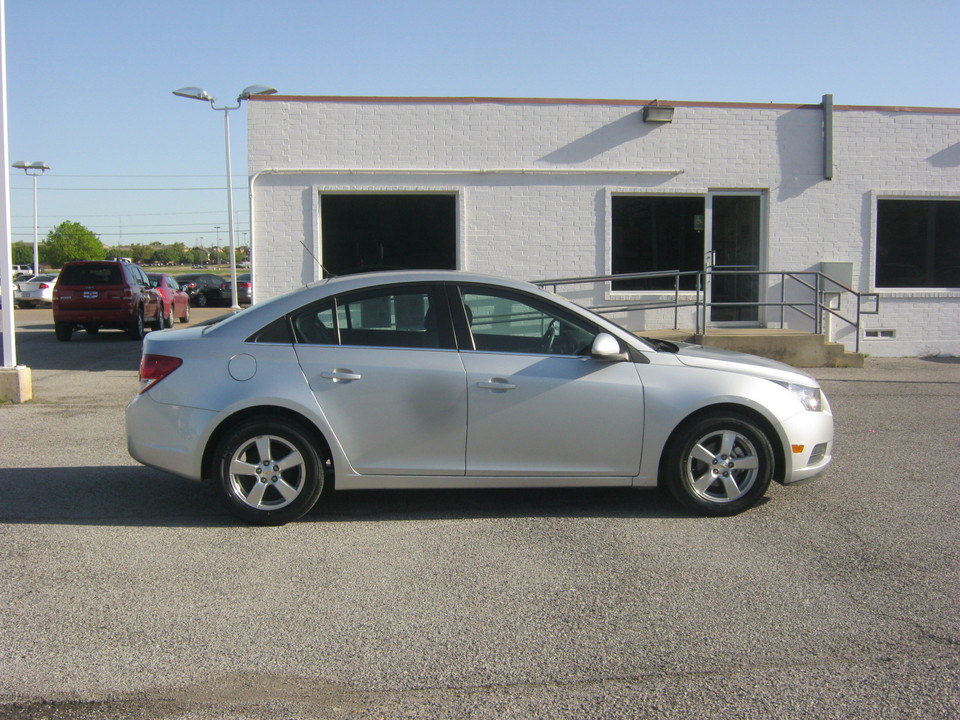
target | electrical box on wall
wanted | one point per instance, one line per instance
(840, 272)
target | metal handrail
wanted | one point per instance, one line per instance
(821, 288)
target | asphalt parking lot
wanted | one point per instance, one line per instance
(127, 593)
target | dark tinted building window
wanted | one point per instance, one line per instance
(918, 244)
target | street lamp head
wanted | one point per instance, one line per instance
(37, 165)
(194, 93)
(255, 90)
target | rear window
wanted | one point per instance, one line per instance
(91, 275)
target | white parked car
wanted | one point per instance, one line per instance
(453, 380)
(35, 290)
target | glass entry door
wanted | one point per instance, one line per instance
(735, 230)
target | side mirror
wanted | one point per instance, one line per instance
(607, 347)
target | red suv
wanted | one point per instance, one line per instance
(110, 294)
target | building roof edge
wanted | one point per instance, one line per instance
(423, 100)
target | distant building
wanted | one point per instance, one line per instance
(538, 188)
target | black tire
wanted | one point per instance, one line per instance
(271, 490)
(201, 300)
(166, 321)
(185, 318)
(91, 328)
(719, 465)
(159, 322)
(63, 331)
(135, 330)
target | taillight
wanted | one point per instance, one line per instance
(44, 286)
(154, 368)
(245, 285)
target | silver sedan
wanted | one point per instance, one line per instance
(429, 379)
(35, 290)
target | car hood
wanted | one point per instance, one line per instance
(720, 359)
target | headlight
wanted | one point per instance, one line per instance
(810, 397)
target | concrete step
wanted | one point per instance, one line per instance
(794, 348)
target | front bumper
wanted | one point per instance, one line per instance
(808, 446)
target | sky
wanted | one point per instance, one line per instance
(89, 82)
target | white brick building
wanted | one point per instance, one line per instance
(537, 189)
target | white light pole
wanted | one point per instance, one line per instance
(34, 170)
(196, 93)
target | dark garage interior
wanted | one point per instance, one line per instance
(374, 231)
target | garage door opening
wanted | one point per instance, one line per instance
(367, 232)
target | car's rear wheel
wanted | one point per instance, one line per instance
(719, 465)
(135, 330)
(268, 471)
(63, 331)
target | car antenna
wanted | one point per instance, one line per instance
(320, 264)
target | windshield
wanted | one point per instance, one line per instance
(645, 343)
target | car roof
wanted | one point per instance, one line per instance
(389, 277)
(254, 317)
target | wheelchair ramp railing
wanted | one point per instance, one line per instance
(809, 294)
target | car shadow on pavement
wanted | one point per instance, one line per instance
(140, 496)
(131, 495)
(107, 350)
(400, 505)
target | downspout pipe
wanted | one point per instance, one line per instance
(828, 137)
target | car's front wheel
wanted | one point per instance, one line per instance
(201, 300)
(160, 321)
(719, 465)
(135, 330)
(268, 471)
(185, 318)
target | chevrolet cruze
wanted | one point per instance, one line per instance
(427, 379)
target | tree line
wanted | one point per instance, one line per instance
(72, 241)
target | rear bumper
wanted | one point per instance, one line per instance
(34, 296)
(93, 315)
(166, 437)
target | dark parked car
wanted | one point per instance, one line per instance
(176, 303)
(105, 294)
(203, 288)
(244, 290)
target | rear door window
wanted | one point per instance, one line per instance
(399, 317)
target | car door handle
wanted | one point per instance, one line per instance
(496, 384)
(340, 375)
